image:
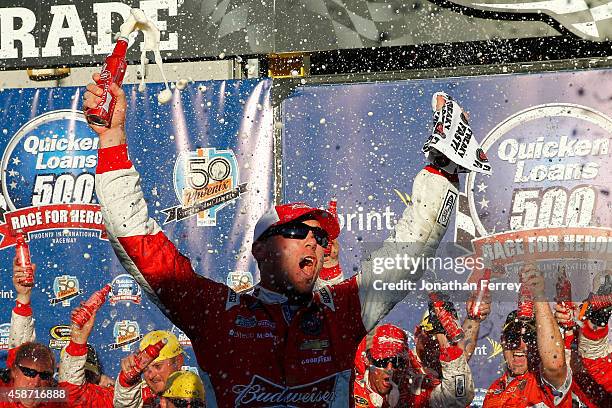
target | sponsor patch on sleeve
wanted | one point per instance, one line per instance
(446, 211)
(361, 402)
(460, 385)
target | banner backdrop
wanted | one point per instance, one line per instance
(56, 32)
(547, 137)
(206, 161)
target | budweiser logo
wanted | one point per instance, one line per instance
(263, 393)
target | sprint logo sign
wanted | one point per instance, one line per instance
(591, 20)
(205, 181)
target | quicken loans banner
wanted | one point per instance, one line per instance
(206, 163)
(547, 138)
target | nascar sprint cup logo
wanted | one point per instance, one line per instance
(553, 203)
(47, 177)
(205, 181)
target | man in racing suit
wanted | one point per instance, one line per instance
(536, 371)
(388, 374)
(74, 363)
(591, 361)
(283, 344)
(30, 365)
(144, 393)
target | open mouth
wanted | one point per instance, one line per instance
(520, 357)
(307, 261)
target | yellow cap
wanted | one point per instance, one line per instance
(425, 323)
(184, 384)
(172, 348)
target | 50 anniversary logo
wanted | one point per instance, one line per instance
(48, 171)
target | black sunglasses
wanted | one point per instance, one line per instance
(512, 339)
(298, 231)
(396, 362)
(182, 403)
(32, 373)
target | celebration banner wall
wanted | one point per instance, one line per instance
(206, 163)
(547, 137)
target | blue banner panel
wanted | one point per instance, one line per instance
(206, 160)
(547, 137)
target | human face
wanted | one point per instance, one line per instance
(27, 374)
(156, 374)
(290, 264)
(380, 378)
(516, 358)
(32, 374)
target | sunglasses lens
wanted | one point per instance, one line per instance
(180, 403)
(32, 373)
(300, 231)
(396, 362)
(28, 372)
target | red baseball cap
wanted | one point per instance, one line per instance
(386, 341)
(285, 213)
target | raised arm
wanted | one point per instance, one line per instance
(22, 323)
(144, 251)
(456, 388)
(471, 324)
(417, 235)
(549, 339)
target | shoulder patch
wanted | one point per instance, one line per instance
(326, 297)
(233, 299)
(361, 402)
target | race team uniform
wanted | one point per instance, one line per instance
(81, 394)
(253, 349)
(21, 331)
(416, 389)
(137, 395)
(596, 361)
(528, 390)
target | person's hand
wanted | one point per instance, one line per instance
(81, 335)
(19, 275)
(114, 134)
(106, 381)
(564, 314)
(483, 310)
(129, 363)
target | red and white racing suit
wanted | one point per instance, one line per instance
(81, 394)
(20, 332)
(528, 390)
(137, 395)
(253, 349)
(597, 364)
(416, 389)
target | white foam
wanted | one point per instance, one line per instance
(137, 21)
(182, 84)
(164, 96)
